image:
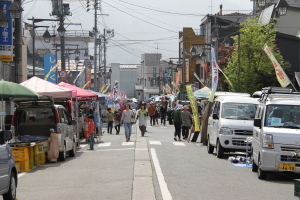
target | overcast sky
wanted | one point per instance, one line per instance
(140, 26)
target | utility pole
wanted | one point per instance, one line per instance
(104, 54)
(18, 48)
(95, 47)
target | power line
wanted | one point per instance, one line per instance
(141, 19)
(168, 12)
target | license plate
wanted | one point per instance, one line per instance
(287, 167)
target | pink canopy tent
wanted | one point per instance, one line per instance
(43, 87)
(82, 95)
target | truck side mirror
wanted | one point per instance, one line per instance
(257, 122)
(5, 136)
(215, 116)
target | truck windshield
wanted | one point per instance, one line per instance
(239, 111)
(283, 116)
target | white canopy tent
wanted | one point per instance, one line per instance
(43, 87)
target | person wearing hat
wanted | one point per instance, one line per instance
(177, 118)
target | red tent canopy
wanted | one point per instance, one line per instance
(82, 95)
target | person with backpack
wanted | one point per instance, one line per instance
(177, 118)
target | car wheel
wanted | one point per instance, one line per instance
(72, 152)
(12, 191)
(220, 150)
(62, 155)
(260, 173)
(210, 148)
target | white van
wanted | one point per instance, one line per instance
(276, 132)
(33, 120)
(230, 123)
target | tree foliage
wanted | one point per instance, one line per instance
(249, 68)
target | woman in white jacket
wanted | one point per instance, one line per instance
(142, 116)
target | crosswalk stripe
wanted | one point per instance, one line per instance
(155, 142)
(178, 143)
(127, 143)
(83, 145)
(105, 144)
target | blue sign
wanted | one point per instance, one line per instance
(6, 36)
(49, 62)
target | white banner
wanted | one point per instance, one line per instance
(214, 74)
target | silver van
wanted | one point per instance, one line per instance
(8, 170)
(230, 123)
(33, 121)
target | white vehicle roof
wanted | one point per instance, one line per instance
(237, 99)
(283, 101)
(231, 94)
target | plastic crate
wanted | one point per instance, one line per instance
(42, 158)
(21, 153)
(23, 166)
(36, 160)
(38, 148)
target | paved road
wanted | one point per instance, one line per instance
(151, 167)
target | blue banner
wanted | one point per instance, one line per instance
(6, 36)
(49, 62)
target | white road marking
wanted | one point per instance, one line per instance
(127, 143)
(166, 195)
(163, 127)
(105, 144)
(155, 142)
(83, 145)
(115, 149)
(178, 143)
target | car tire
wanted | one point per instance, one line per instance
(72, 152)
(220, 150)
(210, 148)
(261, 174)
(12, 191)
(62, 155)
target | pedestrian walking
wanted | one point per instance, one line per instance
(91, 130)
(126, 120)
(177, 118)
(117, 121)
(110, 120)
(142, 116)
(151, 112)
(187, 121)
(163, 114)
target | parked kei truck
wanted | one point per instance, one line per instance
(34, 120)
(276, 132)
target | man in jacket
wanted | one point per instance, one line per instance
(151, 112)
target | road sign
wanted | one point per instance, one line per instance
(63, 74)
(63, 80)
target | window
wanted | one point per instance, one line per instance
(283, 115)
(239, 111)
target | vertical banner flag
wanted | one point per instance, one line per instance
(280, 74)
(187, 71)
(214, 75)
(49, 62)
(193, 106)
(6, 42)
(88, 77)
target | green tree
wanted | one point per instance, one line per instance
(249, 68)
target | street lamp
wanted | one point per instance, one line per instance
(86, 54)
(214, 36)
(77, 52)
(15, 10)
(3, 18)
(46, 36)
(226, 42)
(61, 30)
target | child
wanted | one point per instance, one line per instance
(110, 120)
(117, 121)
(91, 129)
